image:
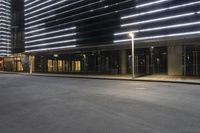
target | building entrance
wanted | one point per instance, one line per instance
(192, 61)
(149, 61)
(159, 60)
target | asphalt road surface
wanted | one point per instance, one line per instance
(33, 104)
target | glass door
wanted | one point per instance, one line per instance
(192, 60)
(196, 62)
(160, 60)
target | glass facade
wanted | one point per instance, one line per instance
(64, 24)
(51, 25)
(160, 19)
(192, 60)
(18, 26)
(69, 36)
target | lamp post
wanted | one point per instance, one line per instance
(131, 34)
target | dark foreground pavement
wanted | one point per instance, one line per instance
(31, 104)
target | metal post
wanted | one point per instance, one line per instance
(133, 56)
(185, 63)
(152, 61)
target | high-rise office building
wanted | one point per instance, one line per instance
(92, 36)
(5, 27)
(11, 35)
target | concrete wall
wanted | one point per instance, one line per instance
(175, 60)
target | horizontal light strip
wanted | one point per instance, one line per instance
(54, 48)
(49, 38)
(33, 31)
(8, 11)
(42, 3)
(34, 16)
(45, 7)
(4, 54)
(77, 13)
(4, 47)
(160, 10)
(7, 2)
(62, 13)
(7, 50)
(51, 43)
(30, 3)
(5, 21)
(47, 33)
(159, 28)
(69, 22)
(2, 39)
(5, 43)
(159, 19)
(159, 36)
(33, 26)
(5, 13)
(72, 15)
(3, 50)
(4, 24)
(41, 29)
(6, 7)
(151, 3)
(142, 5)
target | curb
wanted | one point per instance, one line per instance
(106, 78)
(102, 78)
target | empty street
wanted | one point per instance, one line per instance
(34, 104)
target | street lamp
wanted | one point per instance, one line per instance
(131, 34)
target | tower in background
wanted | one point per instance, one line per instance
(5, 28)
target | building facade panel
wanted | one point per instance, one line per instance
(106, 22)
(94, 21)
(160, 19)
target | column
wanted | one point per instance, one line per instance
(175, 60)
(30, 64)
(123, 61)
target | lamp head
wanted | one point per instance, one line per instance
(131, 34)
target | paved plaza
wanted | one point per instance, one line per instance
(36, 104)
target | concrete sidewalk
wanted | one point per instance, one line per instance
(167, 78)
(149, 78)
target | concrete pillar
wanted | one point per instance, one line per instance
(31, 64)
(175, 60)
(123, 62)
(99, 61)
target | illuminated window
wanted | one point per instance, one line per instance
(50, 65)
(60, 65)
(76, 66)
